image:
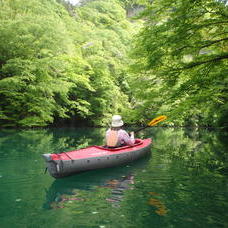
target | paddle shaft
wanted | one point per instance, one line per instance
(142, 128)
(153, 123)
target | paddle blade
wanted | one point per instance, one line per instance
(157, 120)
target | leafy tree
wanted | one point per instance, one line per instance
(181, 61)
(40, 72)
(57, 63)
(105, 44)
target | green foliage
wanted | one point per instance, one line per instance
(106, 38)
(62, 62)
(181, 61)
(58, 64)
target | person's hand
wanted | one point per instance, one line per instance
(132, 134)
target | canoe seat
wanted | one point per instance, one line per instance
(137, 142)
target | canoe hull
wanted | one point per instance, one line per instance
(73, 162)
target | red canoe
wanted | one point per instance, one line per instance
(94, 157)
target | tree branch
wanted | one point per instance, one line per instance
(203, 46)
(205, 25)
(191, 65)
(213, 42)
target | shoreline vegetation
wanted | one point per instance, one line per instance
(65, 65)
(127, 126)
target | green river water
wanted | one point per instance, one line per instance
(183, 183)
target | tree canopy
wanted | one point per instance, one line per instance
(89, 61)
(181, 61)
(58, 62)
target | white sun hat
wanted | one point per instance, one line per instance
(117, 121)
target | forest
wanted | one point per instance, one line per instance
(80, 64)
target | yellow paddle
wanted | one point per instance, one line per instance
(153, 122)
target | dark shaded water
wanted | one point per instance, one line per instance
(182, 184)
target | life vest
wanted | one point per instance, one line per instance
(112, 139)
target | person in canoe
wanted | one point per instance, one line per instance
(116, 136)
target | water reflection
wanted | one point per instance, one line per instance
(47, 141)
(118, 187)
(160, 207)
(183, 184)
(117, 179)
(196, 148)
